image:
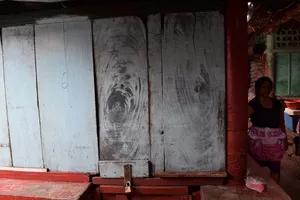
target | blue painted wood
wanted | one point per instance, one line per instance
(5, 150)
(66, 96)
(22, 106)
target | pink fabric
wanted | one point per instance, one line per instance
(266, 144)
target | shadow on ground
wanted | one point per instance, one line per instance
(290, 176)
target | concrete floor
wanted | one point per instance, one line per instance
(272, 192)
(290, 176)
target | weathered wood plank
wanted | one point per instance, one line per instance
(66, 95)
(121, 64)
(61, 19)
(21, 92)
(5, 148)
(115, 169)
(194, 92)
(156, 96)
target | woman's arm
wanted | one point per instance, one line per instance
(282, 124)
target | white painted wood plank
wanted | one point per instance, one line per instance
(5, 151)
(23, 169)
(194, 92)
(121, 64)
(61, 19)
(156, 100)
(21, 92)
(66, 95)
(115, 169)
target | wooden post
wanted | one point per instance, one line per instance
(237, 89)
(270, 65)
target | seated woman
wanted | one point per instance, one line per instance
(267, 137)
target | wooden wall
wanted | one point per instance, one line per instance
(157, 88)
(49, 89)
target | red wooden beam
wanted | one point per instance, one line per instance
(197, 195)
(191, 174)
(186, 197)
(97, 194)
(145, 190)
(161, 181)
(121, 197)
(161, 197)
(46, 176)
(237, 89)
(3, 197)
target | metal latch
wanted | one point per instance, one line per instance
(127, 178)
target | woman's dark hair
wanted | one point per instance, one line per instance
(260, 81)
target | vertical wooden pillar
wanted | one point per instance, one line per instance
(270, 64)
(237, 90)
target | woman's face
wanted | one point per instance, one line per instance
(265, 89)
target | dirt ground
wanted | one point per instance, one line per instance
(290, 176)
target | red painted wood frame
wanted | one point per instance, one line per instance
(47, 176)
(237, 89)
(160, 181)
(124, 197)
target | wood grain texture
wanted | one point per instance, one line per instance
(194, 92)
(156, 96)
(121, 64)
(21, 92)
(115, 169)
(66, 95)
(5, 148)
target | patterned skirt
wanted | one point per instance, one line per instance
(266, 144)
